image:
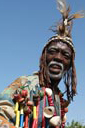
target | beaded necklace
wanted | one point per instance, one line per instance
(53, 111)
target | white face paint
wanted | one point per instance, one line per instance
(55, 70)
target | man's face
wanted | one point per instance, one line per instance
(58, 59)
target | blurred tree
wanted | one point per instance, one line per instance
(74, 124)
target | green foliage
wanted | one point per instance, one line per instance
(74, 124)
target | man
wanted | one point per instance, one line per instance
(36, 101)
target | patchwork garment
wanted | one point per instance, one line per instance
(7, 103)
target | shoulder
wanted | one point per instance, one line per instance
(23, 81)
(30, 81)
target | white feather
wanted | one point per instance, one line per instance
(61, 5)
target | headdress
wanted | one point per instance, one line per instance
(64, 27)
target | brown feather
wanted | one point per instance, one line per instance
(78, 16)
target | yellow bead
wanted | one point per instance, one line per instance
(34, 112)
(16, 107)
(17, 118)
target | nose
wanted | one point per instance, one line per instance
(58, 57)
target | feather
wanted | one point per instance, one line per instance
(80, 14)
(61, 5)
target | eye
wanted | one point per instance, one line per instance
(51, 51)
(67, 55)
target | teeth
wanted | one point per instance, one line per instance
(56, 64)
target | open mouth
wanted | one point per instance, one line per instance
(55, 67)
(55, 70)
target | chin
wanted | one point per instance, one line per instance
(55, 76)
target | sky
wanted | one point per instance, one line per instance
(24, 30)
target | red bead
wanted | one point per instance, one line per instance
(30, 103)
(17, 97)
(21, 99)
(24, 93)
(65, 110)
(27, 110)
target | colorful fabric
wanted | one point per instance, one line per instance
(7, 114)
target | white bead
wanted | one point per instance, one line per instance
(48, 91)
(55, 121)
(48, 111)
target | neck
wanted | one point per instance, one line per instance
(54, 84)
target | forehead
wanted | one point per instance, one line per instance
(59, 44)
